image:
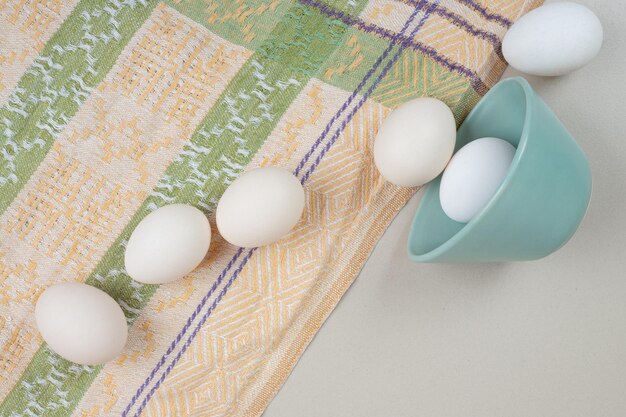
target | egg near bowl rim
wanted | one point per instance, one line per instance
(415, 142)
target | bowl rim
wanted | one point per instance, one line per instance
(519, 152)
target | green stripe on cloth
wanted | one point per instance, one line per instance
(246, 23)
(352, 60)
(219, 149)
(72, 64)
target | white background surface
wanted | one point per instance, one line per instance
(543, 338)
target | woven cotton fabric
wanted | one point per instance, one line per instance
(110, 109)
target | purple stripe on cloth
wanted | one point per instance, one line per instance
(486, 14)
(356, 22)
(360, 86)
(468, 27)
(478, 84)
(205, 316)
(189, 340)
(369, 91)
(219, 280)
(180, 335)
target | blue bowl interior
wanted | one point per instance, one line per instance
(490, 118)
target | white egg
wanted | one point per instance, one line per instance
(473, 176)
(415, 142)
(553, 39)
(260, 207)
(81, 323)
(167, 244)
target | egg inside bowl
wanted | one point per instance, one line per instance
(538, 206)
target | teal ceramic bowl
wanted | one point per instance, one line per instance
(539, 205)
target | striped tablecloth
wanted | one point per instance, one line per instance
(110, 109)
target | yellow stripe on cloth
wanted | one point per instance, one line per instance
(103, 166)
(511, 9)
(26, 27)
(108, 158)
(313, 309)
(241, 339)
(173, 303)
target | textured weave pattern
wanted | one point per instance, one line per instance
(110, 109)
